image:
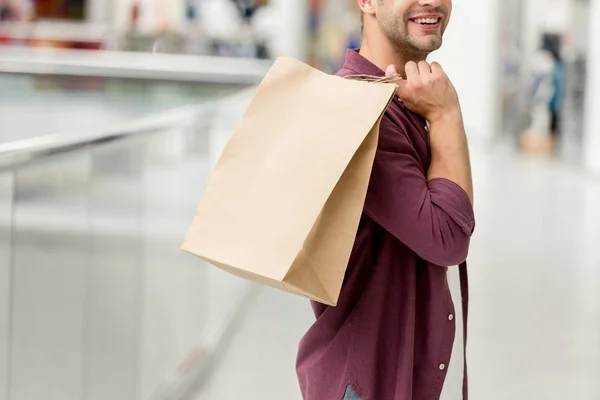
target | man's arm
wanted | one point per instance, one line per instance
(431, 211)
(432, 217)
(450, 152)
(428, 92)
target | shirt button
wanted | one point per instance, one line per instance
(451, 317)
(442, 367)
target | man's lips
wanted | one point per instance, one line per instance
(427, 21)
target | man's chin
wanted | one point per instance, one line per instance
(427, 45)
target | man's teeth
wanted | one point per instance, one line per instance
(427, 21)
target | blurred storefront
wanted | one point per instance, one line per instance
(545, 86)
(315, 30)
(222, 27)
(334, 27)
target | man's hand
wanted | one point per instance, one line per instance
(427, 91)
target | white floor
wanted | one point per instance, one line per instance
(535, 295)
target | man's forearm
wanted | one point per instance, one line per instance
(450, 152)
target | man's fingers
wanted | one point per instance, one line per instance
(436, 69)
(436, 66)
(412, 71)
(391, 70)
(424, 68)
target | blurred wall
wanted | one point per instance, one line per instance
(292, 24)
(471, 57)
(592, 123)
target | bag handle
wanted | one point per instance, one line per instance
(375, 79)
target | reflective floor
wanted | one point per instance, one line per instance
(535, 295)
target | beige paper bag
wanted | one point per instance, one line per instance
(282, 206)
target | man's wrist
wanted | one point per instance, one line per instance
(446, 132)
(449, 116)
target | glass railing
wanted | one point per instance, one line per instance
(96, 300)
(48, 91)
(34, 105)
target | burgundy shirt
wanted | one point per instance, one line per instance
(391, 335)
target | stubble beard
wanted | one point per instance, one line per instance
(405, 44)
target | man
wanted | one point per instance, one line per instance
(396, 333)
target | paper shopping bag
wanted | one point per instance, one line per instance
(283, 204)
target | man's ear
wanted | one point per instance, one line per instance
(367, 6)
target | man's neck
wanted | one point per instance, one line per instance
(381, 53)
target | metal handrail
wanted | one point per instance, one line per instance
(132, 65)
(235, 73)
(17, 153)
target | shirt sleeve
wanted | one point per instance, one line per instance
(433, 218)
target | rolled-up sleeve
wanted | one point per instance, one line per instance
(433, 218)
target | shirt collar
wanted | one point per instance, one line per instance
(360, 65)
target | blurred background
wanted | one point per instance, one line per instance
(112, 115)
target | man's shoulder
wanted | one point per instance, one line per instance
(396, 117)
(398, 122)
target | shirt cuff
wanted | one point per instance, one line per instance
(454, 201)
